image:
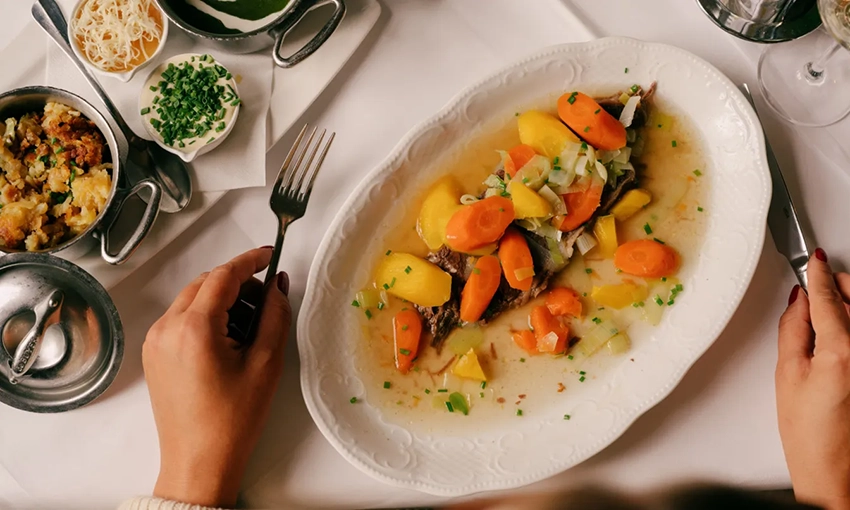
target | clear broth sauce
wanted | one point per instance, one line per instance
(516, 380)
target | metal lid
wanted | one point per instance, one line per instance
(61, 340)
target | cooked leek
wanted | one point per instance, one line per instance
(620, 344)
(468, 199)
(464, 339)
(601, 171)
(608, 156)
(585, 242)
(628, 114)
(368, 298)
(548, 343)
(534, 173)
(558, 205)
(493, 181)
(555, 252)
(459, 403)
(581, 166)
(624, 155)
(598, 336)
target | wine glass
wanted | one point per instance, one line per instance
(807, 81)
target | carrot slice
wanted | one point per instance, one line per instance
(580, 207)
(407, 328)
(480, 288)
(544, 323)
(563, 301)
(479, 224)
(647, 259)
(516, 258)
(517, 158)
(525, 340)
(596, 126)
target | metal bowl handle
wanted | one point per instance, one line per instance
(148, 218)
(316, 42)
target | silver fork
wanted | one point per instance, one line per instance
(291, 191)
(288, 201)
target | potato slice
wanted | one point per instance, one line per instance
(632, 202)
(469, 367)
(441, 202)
(527, 202)
(414, 279)
(545, 133)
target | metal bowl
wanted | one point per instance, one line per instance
(66, 357)
(271, 34)
(28, 99)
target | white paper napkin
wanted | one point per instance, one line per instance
(240, 161)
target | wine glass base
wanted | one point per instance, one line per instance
(800, 89)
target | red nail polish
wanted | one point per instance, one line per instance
(283, 282)
(821, 255)
(795, 292)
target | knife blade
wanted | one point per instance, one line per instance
(782, 215)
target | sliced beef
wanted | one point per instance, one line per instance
(442, 320)
(508, 297)
(624, 183)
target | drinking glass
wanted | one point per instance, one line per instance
(807, 81)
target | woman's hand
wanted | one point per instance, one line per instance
(211, 398)
(813, 387)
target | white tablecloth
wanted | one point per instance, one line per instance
(719, 424)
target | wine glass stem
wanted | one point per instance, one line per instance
(816, 68)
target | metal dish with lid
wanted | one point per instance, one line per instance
(62, 339)
(263, 37)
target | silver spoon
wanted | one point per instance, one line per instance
(144, 158)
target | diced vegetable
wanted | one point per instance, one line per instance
(544, 132)
(632, 202)
(563, 301)
(628, 114)
(441, 202)
(555, 200)
(459, 403)
(480, 288)
(605, 230)
(585, 242)
(424, 283)
(528, 203)
(598, 336)
(368, 298)
(463, 339)
(619, 344)
(647, 259)
(407, 328)
(555, 252)
(479, 224)
(515, 255)
(581, 206)
(517, 158)
(469, 367)
(526, 341)
(596, 126)
(619, 296)
(543, 323)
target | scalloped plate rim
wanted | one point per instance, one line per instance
(387, 165)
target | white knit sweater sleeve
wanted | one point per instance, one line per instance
(146, 503)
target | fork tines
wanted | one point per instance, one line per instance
(297, 176)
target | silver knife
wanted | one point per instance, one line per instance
(782, 215)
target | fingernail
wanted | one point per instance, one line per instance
(795, 292)
(821, 255)
(269, 247)
(283, 282)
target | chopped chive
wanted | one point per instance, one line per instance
(581, 379)
(556, 160)
(481, 394)
(674, 144)
(679, 287)
(566, 416)
(634, 89)
(525, 180)
(663, 278)
(450, 407)
(588, 270)
(519, 412)
(516, 114)
(427, 391)
(597, 111)
(381, 305)
(475, 270)
(671, 302)
(596, 320)
(404, 327)
(626, 71)
(586, 129)
(483, 384)
(368, 314)
(647, 228)
(696, 172)
(406, 352)
(442, 390)
(572, 98)
(385, 286)
(146, 110)
(392, 283)
(584, 146)
(659, 301)
(522, 360)
(355, 303)
(700, 209)
(584, 294)
(582, 373)
(659, 241)
(387, 385)
(388, 252)
(408, 269)
(353, 400)
(569, 356)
